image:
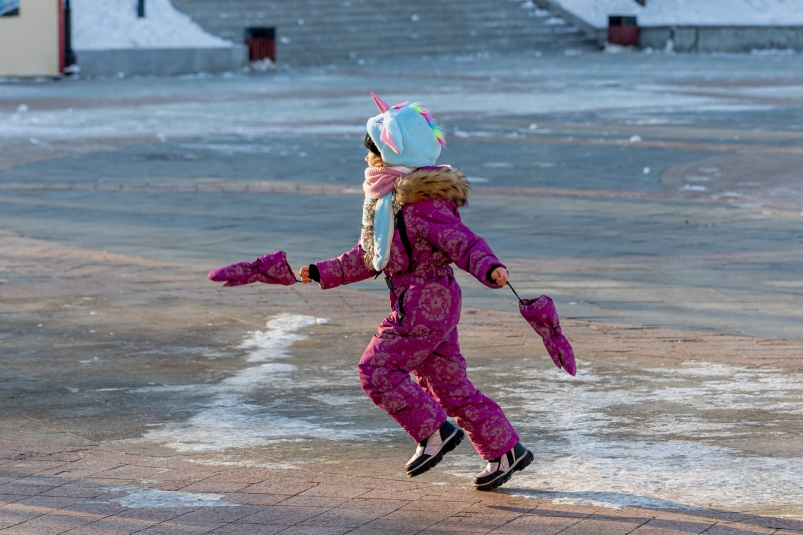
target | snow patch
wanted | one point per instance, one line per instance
(113, 24)
(690, 12)
(142, 497)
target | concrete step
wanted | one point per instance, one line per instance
(325, 31)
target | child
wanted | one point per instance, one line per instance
(412, 232)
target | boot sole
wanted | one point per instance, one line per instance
(450, 444)
(520, 465)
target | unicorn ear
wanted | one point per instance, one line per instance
(391, 135)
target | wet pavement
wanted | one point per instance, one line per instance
(656, 198)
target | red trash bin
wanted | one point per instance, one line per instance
(261, 43)
(622, 30)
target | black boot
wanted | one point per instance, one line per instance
(431, 450)
(499, 470)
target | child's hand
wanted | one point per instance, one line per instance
(499, 276)
(304, 273)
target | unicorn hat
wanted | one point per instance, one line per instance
(405, 134)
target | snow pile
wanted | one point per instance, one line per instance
(690, 12)
(113, 24)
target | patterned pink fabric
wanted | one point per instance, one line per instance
(542, 315)
(420, 334)
(270, 269)
(379, 181)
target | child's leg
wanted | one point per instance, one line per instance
(443, 375)
(385, 377)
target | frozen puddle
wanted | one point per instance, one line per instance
(699, 435)
(139, 497)
(238, 413)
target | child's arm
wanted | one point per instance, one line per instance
(345, 269)
(438, 222)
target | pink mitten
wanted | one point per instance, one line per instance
(542, 316)
(270, 269)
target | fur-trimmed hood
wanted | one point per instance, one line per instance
(437, 182)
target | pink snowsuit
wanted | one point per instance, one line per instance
(420, 334)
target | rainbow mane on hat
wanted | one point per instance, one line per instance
(428, 116)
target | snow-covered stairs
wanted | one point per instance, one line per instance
(319, 32)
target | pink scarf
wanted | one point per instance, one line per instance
(379, 181)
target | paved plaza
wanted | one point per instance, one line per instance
(656, 198)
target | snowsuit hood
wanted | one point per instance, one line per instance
(436, 182)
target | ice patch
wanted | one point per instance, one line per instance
(659, 437)
(272, 344)
(143, 497)
(229, 419)
(335, 401)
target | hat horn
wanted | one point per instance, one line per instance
(380, 103)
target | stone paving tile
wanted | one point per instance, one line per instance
(306, 500)
(451, 531)
(170, 528)
(246, 475)
(168, 484)
(739, 529)
(471, 522)
(316, 530)
(5, 499)
(34, 506)
(388, 527)
(41, 480)
(405, 521)
(379, 507)
(156, 514)
(216, 486)
(115, 482)
(129, 472)
(26, 490)
(64, 456)
(287, 488)
(281, 515)
(47, 525)
(563, 511)
(113, 526)
(332, 490)
(247, 529)
(256, 499)
(776, 523)
(94, 509)
(436, 506)
(603, 526)
(344, 518)
(661, 526)
(391, 494)
(513, 509)
(220, 515)
(537, 525)
(70, 490)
